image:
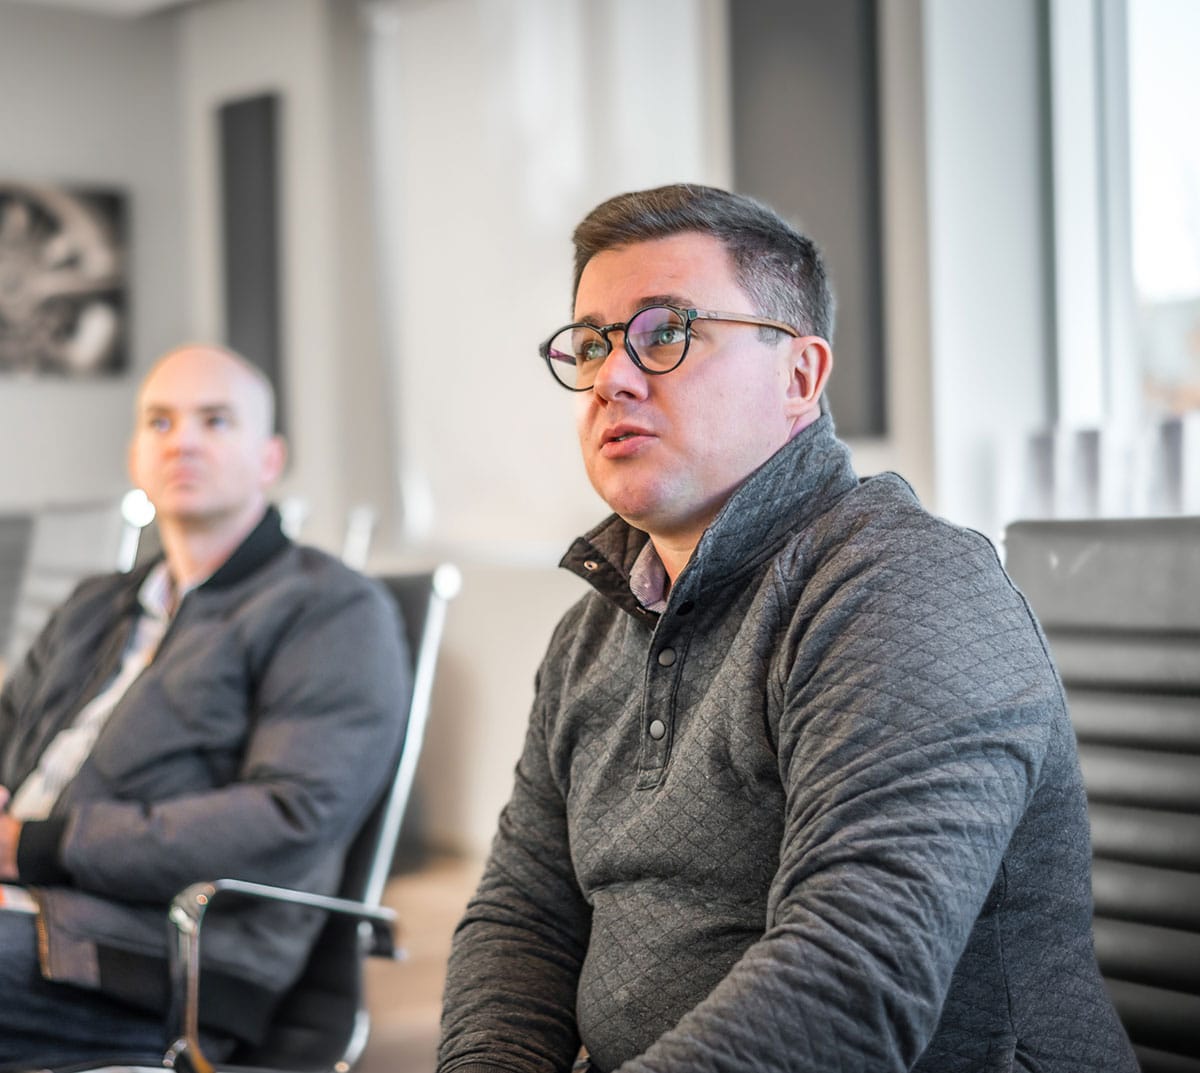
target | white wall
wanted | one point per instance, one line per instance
(494, 141)
(493, 145)
(908, 447)
(93, 100)
(991, 343)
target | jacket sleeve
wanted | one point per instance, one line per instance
(22, 681)
(18, 684)
(326, 724)
(913, 733)
(515, 961)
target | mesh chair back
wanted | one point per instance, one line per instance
(68, 542)
(14, 545)
(1120, 603)
(322, 1024)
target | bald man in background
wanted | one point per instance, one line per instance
(228, 710)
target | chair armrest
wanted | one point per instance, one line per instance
(186, 915)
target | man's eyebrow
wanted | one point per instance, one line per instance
(155, 409)
(675, 300)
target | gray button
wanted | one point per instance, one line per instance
(657, 729)
(666, 657)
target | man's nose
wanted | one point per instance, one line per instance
(183, 436)
(619, 374)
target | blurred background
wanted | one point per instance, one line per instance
(374, 199)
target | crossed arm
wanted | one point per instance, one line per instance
(326, 709)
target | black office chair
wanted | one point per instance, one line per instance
(322, 1023)
(1120, 603)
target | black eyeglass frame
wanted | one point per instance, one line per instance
(688, 316)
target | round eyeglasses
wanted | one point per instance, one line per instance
(656, 340)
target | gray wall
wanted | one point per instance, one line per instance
(89, 99)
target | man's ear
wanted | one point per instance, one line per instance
(811, 363)
(273, 460)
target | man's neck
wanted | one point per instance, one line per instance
(675, 549)
(196, 549)
(674, 554)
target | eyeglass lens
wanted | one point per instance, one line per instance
(656, 338)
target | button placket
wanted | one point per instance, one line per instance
(664, 664)
(656, 719)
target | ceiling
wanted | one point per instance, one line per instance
(128, 8)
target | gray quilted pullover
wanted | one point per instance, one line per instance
(823, 814)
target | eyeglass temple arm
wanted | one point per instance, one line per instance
(742, 318)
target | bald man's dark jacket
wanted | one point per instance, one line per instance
(251, 747)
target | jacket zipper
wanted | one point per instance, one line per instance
(43, 936)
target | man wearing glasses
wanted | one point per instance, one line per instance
(799, 790)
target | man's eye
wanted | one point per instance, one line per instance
(218, 421)
(660, 337)
(667, 335)
(595, 350)
(158, 424)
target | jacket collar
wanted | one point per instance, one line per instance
(264, 542)
(784, 495)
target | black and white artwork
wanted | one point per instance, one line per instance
(63, 282)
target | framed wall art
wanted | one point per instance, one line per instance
(63, 280)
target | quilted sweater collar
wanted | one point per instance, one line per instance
(793, 487)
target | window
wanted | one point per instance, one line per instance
(1163, 41)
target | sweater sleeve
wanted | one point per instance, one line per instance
(515, 960)
(914, 727)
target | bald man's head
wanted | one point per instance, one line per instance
(260, 392)
(203, 449)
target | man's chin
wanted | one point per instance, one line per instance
(664, 519)
(186, 512)
(642, 516)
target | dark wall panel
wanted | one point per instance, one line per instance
(249, 139)
(806, 141)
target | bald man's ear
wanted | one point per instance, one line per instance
(811, 363)
(274, 459)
